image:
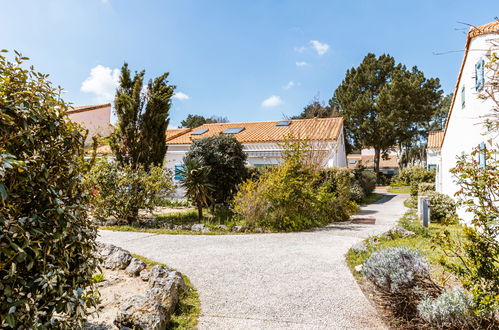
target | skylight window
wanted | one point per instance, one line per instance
(233, 130)
(200, 131)
(283, 123)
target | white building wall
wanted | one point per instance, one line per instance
(465, 128)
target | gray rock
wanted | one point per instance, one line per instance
(117, 259)
(166, 289)
(135, 267)
(398, 232)
(198, 227)
(159, 271)
(139, 312)
(223, 227)
(258, 230)
(237, 228)
(104, 250)
(360, 247)
(144, 275)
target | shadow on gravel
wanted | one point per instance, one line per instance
(385, 199)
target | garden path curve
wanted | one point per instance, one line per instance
(272, 281)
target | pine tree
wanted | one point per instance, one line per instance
(384, 104)
(139, 138)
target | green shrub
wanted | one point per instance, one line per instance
(442, 208)
(120, 191)
(452, 309)
(47, 242)
(413, 174)
(366, 178)
(425, 187)
(224, 156)
(357, 193)
(293, 197)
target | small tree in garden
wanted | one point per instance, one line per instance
(47, 242)
(121, 190)
(225, 158)
(139, 138)
(478, 253)
(195, 180)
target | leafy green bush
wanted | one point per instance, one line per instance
(47, 242)
(121, 191)
(366, 178)
(224, 156)
(413, 176)
(293, 197)
(452, 309)
(425, 187)
(357, 193)
(442, 208)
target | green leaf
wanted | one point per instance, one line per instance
(3, 191)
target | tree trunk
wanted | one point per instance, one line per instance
(377, 153)
(200, 211)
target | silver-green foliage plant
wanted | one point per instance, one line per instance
(122, 190)
(452, 309)
(393, 269)
(47, 242)
(425, 187)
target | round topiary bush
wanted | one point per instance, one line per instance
(46, 239)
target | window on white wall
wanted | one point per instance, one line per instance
(479, 74)
(481, 155)
(463, 97)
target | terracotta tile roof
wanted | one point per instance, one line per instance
(489, 28)
(83, 108)
(435, 139)
(316, 129)
(368, 161)
(175, 132)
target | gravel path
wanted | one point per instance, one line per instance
(272, 281)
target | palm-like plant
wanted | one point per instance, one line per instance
(195, 180)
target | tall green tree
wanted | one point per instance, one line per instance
(193, 121)
(384, 104)
(317, 109)
(143, 117)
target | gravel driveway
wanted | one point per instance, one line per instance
(272, 281)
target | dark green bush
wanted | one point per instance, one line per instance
(224, 156)
(366, 178)
(47, 243)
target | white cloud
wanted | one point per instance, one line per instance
(102, 82)
(301, 49)
(320, 48)
(302, 63)
(181, 96)
(289, 85)
(272, 101)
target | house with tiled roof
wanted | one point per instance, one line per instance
(262, 141)
(464, 129)
(433, 149)
(388, 165)
(95, 118)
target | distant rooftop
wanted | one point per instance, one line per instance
(435, 139)
(83, 108)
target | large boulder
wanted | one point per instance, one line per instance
(135, 267)
(165, 286)
(114, 257)
(139, 312)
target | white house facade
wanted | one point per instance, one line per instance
(464, 128)
(262, 141)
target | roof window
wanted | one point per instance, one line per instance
(200, 131)
(233, 130)
(283, 123)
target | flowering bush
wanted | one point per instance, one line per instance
(357, 193)
(452, 309)
(393, 269)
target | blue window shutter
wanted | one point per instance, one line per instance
(481, 156)
(479, 74)
(463, 96)
(178, 173)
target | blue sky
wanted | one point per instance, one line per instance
(246, 60)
